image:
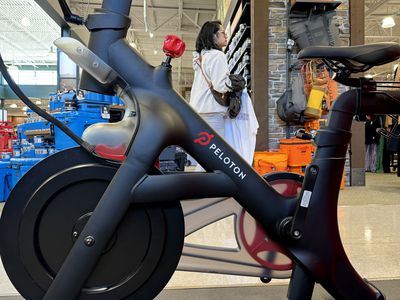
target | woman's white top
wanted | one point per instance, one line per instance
(241, 132)
(215, 67)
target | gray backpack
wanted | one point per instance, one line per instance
(314, 29)
(292, 103)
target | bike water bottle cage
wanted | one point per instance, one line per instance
(345, 61)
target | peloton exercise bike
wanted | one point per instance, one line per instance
(99, 221)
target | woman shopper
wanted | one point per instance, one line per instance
(210, 65)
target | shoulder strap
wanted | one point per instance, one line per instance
(204, 75)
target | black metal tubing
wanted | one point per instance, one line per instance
(320, 251)
(101, 39)
(173, 187)
(68, 15)
(167, 119)
(301, 285)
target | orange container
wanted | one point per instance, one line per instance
(298, 170)
(312, 125)
(266, 162)
(299, 151)
(343, 179)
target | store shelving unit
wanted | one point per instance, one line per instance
(238, 50)
(247, 20)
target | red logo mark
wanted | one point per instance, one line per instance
(204, 138)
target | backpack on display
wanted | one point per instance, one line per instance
(314, 29)
(292, 103)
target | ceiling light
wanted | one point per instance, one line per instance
(25, 21)
(155, 51)
(388, 22)
(38, 102)
(151, 34)
(13, 105)
(25, 108)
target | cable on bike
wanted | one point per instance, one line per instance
(15, 88)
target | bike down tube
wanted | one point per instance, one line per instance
(319, 251)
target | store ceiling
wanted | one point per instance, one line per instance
(26, 34)
(31, 44)
(375, 12)
(180, 17)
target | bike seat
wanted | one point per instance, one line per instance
(354, 56)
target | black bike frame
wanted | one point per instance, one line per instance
(307, 227)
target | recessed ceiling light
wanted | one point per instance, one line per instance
(38, 102)
(25, 108)
(13, 105)
(155, 51)
(151, 35)
(25, 21)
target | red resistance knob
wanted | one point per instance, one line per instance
(173, 46)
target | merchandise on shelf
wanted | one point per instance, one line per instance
(299, 151)
(38, 138)
(20, 166)
(172, 159)
(5, 179)
(6, 137)
(266, 162)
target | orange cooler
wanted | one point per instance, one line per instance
(299, 151)
(266, 162)
(298, 170)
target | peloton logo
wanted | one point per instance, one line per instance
(205, 139)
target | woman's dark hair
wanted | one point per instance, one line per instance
(205, 39)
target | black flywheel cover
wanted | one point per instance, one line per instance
(48, 208)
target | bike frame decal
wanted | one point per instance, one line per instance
(305, 200)
(227, 161)
(204, 138)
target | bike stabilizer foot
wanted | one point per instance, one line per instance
(301, 285)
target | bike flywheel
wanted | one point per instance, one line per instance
(49, 207)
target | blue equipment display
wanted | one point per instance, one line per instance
(5, 179)
(37, 138)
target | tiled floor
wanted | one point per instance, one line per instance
(369, 224)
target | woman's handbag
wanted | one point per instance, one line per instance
(232, 98)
